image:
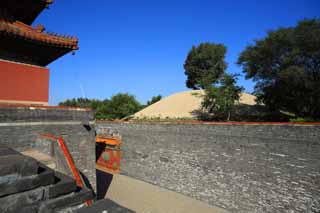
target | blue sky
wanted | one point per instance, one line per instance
(140, 46)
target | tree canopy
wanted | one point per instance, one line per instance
(204, 64)
(219, 99)
(81, 102)
(119, 106)
(286, 66)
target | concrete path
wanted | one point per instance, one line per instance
(147, 198)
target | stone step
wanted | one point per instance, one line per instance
(28, 186)
(63, 185)
(16, 202)
(73, 199)
(7, 151)
(14, 183)
(12, 162)
(38, 200)
(104, 205)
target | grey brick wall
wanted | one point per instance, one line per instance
(20, 128)
(243, 168)
(41, 114)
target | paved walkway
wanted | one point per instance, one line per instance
(147, 198)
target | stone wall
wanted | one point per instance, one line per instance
(20, 128)
(242, 168)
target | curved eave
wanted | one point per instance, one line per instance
(30, 51)
(25, 11)
(19, 30)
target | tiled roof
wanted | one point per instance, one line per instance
(25, 11)
(23, 31)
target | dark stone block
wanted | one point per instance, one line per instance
(17, 164)
(7, 151)
(65, 201)
(63, 185)
(11, 184)
(29, 209)
(15, 202)
(105, 205)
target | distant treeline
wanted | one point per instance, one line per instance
(118, 106)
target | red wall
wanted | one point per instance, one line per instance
(21, 82)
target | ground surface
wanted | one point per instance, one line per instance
(142, 197)
(181, 105)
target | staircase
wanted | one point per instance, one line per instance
(28, 186)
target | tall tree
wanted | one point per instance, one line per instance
(286, 66)
(204, 65)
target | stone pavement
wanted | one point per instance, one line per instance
(143, 197)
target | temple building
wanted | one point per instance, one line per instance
(25, 51)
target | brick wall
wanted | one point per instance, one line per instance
(20, 128)
(243, 168)
(22, 83)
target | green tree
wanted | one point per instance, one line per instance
(154, 99)
(220, 99)
(120, 106)
(102, 110)
(286, 68)
(204, 65)
(80, 102)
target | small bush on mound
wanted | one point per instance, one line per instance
(161, 119)
(220, 98)
(304, 120)
(243, 112)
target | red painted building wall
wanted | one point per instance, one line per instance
(23, 84)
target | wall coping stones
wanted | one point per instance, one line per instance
(33, 107)
(196, 122)
(44, 114)
(43, 123)
(17, 164)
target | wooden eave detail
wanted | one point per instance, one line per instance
(37, 34)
